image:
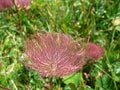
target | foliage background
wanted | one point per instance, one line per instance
(97, 19)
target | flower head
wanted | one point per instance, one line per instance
(10, 3)
(54, 54)
(6, 4)
(94, 51)
(23, 3)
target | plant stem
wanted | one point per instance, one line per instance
(51, 84)
(18, 17)
(4, 88)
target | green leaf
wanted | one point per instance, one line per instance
(116, 71)
(104, 82)
(89, 88)
(117, 28)
(72, 79)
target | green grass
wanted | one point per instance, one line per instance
(94, 19)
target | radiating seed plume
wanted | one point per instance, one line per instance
(10, 3)
(94, 51)
(54, 54)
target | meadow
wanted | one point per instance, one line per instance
(98, 20)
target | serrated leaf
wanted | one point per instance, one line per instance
(74, 79)
(104, 82)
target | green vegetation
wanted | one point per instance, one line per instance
(98, 20)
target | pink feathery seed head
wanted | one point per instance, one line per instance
(6, 4)
(94, 51)
(23, 3)
(54, 54)
(10, 3)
